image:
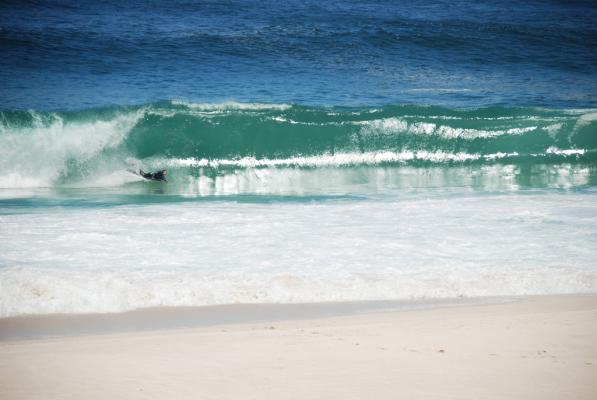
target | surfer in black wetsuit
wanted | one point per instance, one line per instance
(155, 176)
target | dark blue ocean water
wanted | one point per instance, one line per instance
(85, 54)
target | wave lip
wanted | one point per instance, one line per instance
(50, 148)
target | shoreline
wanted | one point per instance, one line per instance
(49, 326)
(539, 347)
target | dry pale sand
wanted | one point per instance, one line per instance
(538, 348)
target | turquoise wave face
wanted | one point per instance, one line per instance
(201, 131)
(207, 142)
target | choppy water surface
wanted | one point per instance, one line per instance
(81, 54)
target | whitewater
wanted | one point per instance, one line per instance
(414, 247)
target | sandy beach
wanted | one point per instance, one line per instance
(534, 348)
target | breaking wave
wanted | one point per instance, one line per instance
(210, 141)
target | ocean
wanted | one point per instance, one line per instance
(316, 152)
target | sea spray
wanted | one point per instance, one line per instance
(45, 149)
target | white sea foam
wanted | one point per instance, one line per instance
(395, 125)
(553, 129)
(231, 105)
(565, 152)
(585, 120)
(293, 122)
(328, 160)
(496, 156)
(37, 156)
(384, 125)
(121, 258)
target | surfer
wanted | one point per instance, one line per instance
(155, 176)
